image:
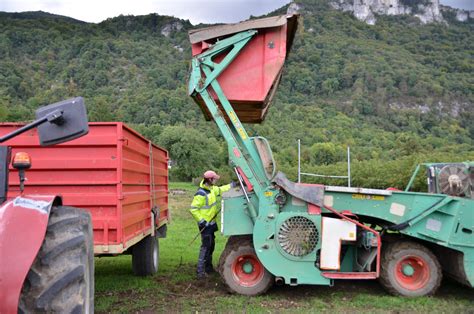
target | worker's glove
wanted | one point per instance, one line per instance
(213, 226)
(233, 184)
(202, 224)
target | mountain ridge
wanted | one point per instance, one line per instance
(38, 15)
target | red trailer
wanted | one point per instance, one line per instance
(116, 174)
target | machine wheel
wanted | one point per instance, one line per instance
(410, 269)
(241, 269)
(61, 279)
(145, 256)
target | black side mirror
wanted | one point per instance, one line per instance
(67, 120)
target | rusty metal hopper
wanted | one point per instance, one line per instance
(250, 81)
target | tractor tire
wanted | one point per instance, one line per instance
(146, 256)
(409, 269)
(241, 270)
(61, 279)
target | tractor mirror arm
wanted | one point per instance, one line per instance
(55, 117)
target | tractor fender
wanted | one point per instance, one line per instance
(23, 223)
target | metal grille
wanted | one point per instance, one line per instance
(298, 236)
(454, 180)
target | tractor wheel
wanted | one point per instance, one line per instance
(410, 269)
(145, 256)
(61, 279)
(242, 271)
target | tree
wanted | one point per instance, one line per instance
(191, 151)
(325, 153)
(100, 109)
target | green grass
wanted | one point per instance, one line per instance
(188, 187)
(174, 288)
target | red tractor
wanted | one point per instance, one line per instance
(46, 249)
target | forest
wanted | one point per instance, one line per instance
(398, 92)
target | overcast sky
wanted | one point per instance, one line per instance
(197, 11)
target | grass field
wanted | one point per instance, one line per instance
(174, 288)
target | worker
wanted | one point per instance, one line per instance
(204, 210)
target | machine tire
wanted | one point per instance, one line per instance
(61, 279)
(240, 253)
(146, 256)
(422, 275)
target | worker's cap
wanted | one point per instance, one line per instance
(209, 174)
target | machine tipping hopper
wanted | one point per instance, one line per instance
(251, 80)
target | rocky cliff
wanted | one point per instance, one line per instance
(427, 11)
(460, 14)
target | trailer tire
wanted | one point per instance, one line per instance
(61, 279)
(410, 269)
(241, 270)
(146, 256)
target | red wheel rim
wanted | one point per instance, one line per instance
(247, 270)
(412, 272)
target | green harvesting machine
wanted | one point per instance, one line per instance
(289, 233)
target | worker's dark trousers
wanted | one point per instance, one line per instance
(207, 248)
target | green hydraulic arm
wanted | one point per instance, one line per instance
(204, 73)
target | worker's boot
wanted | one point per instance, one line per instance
(201, 266)
(202, 276)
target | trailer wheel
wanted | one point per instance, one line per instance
(242, 271)
(61, 279)
(410, 269)
(145, 256)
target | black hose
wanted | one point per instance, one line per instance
(405, 224)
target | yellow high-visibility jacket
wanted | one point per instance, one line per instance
(204, 204)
